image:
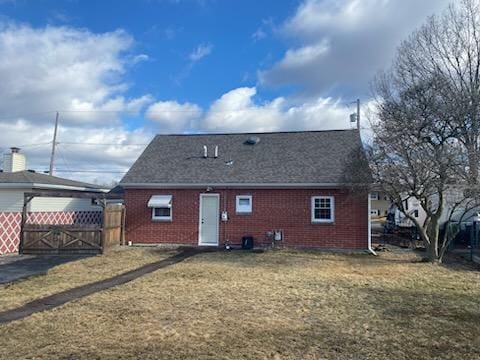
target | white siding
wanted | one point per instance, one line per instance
(11, 199)
(62, 204)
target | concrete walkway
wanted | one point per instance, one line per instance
(18, 267)
(53, 301)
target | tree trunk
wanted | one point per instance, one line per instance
(433, 246)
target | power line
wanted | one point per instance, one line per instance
(99, 144)
(61, 153)
(31, 145)
(91, 171)
(86, 162)
(16, 116)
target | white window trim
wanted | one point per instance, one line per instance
(332, 208)
(237, 204)
(162, 218)
(374, 196)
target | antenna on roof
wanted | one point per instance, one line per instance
(216, 152)
(205, 151)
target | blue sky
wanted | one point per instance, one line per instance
(121, 71)
(168, 32)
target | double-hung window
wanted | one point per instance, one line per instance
(323, 209)
(161, 206)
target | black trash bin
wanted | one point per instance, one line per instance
(247, 242)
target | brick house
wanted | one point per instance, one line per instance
(213, 189)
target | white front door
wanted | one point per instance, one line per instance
(209, 219)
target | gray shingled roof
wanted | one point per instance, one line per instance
(314, 157)
(29, 177)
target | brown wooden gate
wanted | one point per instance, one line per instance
(76, 238)
(60, 239)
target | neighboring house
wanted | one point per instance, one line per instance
(414, 208)
(214, 189)
(15, 181)
(117, 194)
(380, 203)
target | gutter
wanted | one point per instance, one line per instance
(370, 250)
(235, 185)
(49, 186)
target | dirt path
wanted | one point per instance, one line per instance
(53, 301)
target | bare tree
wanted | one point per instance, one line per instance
(447, 48)
(426, 138)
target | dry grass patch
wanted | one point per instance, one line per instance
(276, 305)
(76, 273)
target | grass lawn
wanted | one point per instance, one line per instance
(76, 273)
(274, 305)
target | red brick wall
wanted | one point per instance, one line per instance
(285, 209)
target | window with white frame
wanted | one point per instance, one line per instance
(162, 213)
(243, 204)
(374, 195)
(161, 206)
(323, 209)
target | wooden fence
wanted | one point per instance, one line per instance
(113, 226)
(73, 238)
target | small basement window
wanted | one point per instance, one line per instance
(243, 204)
(323, 209)
(161, 207)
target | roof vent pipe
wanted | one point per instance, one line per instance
(205, 151)
(216, 152)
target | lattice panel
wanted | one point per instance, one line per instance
(9, 231)
(10, 224)
(65, 217)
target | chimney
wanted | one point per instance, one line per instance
(14, 161)
(205, 151)
(216, 152)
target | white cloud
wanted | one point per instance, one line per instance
(259, 34)
(61, 68)
(267, 26)
(140, 58)
(238, 111)
(338, 45)
(123, 149)
(305, 55)
(195, 56)
(81, 74)
(173, 116)
(200, 52)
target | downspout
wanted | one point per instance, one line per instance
(225, 222)
(370, 250)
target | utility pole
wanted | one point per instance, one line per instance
(358, 114)
(54, 144)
